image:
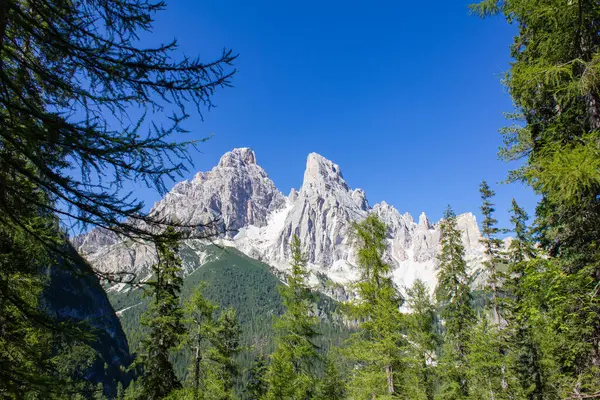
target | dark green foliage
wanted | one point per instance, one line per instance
(255, 383)
(554, 84)
(232, 280)
(291, 370)
(525, 356)
(488, 373)
(72, 75)
(493, 246)
(164, 319)
(120, 392)
(377, 348)
(455, 300)
(24, 350)
(222, 370)
(332, 385)
(423, 342)
(199, 312)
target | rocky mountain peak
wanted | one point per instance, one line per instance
(238, 157)
(260, 221)
(360, 197)
(424, 221)
(322, 174)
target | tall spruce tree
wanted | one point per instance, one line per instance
(493, 248)
(332, 385)
(488, 364)
(455, 299)
(553, 81)
(525, 351)
(378, 348)
(164, 318)
(225, 341)
(423, 342)
(200, 313)
(487, 359)
(291, 373)
(256, 385)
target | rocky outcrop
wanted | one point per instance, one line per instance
(74, 295)
(237, 190)
(321, 214)
(260, 221)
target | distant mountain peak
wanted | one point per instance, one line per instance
(260, 221)
(322, 174)
(237, 157)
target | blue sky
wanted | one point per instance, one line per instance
(405, 96)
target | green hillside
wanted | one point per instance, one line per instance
(233, 280)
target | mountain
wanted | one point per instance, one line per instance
(232, 280)
(260, 221)
(74, 295)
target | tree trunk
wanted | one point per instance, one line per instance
(197, 371)
(390, 378)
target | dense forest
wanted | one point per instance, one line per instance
(526, 325)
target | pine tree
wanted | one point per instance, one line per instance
(521, 247)
(225, 340)
(553, 84)
(488, 370)
(200, 313)
(378, 347)
(493, 248)
(256, 385)
(25, 350)
(332, 385)
(525, 350)
(454, 296)
(488, 375)
(423, 342)
(73, 74)
(133, 391)
(291, 371)
(164, 318)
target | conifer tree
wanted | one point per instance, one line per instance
(378, 347)
(74, 76)
(554, 86)
(200, 313)
(332, 385)
(256, 384)
(455, 299)
(225, 340)
(521, 247)
(291, 371)
(99, 392)
(25, 350)
(488, 375)
(164, 318)
(526, 353)
(423, 342)
(493, 248)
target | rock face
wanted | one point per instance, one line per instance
(320, 214)
(74, 294)
(260, 221)
(237, 190)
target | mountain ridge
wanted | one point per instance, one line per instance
(260, 221)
